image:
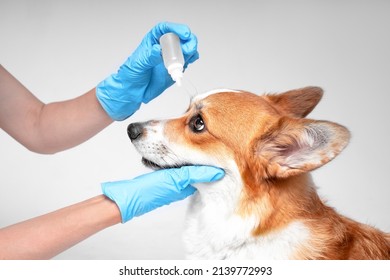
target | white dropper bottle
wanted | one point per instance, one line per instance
(172, 56)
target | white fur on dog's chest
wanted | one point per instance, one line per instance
(214, 231)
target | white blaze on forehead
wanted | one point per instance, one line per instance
(211, 92)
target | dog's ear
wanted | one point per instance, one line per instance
(297, 103)
(293, 146)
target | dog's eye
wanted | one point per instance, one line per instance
(197, 124)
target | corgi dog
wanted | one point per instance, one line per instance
(266, 206)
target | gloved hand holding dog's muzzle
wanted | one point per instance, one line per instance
(143, 75)
(150, 191)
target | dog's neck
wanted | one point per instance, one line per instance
(222, 216)
(280, 202)
(225, 192)
(266, 203)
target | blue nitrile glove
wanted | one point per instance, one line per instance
(147, 192)
(143, 76)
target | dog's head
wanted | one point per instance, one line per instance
(263, 137)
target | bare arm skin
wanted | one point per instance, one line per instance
(45, 236)
(48, 128)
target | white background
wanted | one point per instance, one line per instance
(61, 49)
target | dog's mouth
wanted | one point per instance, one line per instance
(155, 166)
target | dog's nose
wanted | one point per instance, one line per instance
(134, 130)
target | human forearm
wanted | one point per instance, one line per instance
(66, 124)
(48, 128)
(48, 235)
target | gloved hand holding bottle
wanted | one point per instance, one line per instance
(143, 76)
(149, 191)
